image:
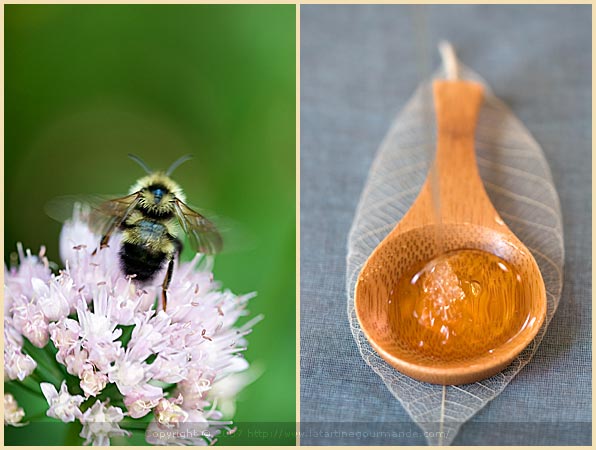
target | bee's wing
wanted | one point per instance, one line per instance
(62, 208)
(202, 233)
(108, 215)
(104, 212)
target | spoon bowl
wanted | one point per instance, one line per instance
(381, 323)
(466, 220)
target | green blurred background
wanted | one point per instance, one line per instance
(85, 85)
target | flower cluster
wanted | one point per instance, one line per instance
(119, 357)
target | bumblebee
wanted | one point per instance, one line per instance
(151, 218)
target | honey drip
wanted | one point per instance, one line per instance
(462, 304)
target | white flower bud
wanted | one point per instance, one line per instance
(92, 382)
(63, 406)
(12, 413)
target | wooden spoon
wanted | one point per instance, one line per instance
(468, 220)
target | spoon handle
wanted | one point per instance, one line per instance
(455, 175)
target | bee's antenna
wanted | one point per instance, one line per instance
(176, 163)
(140, 162)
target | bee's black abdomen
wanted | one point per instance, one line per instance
(136, 260)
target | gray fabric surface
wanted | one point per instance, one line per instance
(359, 65)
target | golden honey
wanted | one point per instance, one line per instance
(460, 305)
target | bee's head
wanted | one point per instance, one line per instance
(158, 192)
(158, 195)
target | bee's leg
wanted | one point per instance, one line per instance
(103, 243)
(166, 283)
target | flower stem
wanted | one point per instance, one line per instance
(50, 350)
(111, 391)
(21, 385)
(44, 366)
